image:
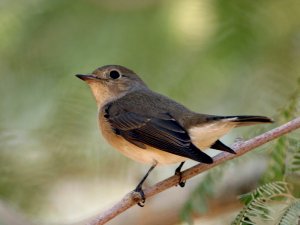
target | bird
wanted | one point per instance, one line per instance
(151, 128)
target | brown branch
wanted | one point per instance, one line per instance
(240, 148)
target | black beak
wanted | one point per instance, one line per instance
(85, 77)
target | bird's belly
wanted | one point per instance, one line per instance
(149, 155)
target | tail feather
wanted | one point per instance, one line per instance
(257, 119)
(206, 132)
(248, 120)
(242, 120)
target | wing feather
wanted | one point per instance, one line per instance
(161, 132)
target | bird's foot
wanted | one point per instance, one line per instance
(181, 182)
(139, 188)
(179, 174)
(141, 193)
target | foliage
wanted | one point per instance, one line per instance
(283, 165)
(295, 161)
(276, 200)
(271, 203)
(255, 203)
(290, 214)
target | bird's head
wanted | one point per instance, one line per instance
(111, 82)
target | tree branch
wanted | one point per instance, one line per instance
(240, 148)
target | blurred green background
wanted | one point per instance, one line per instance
(215, 56)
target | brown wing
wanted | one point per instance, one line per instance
(162, 132)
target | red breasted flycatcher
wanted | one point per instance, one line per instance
(151, 128)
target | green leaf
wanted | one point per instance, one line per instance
(256, 203)
(295, 161)
(290, 214)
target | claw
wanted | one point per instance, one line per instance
(181, 182)
(178, 173)
(142, 194)
(141, 203)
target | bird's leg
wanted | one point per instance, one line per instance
(179, 173)
(139, 188)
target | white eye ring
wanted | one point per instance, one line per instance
(114, 74)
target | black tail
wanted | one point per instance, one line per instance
(247, 120)
(237, 122)
(254, 119)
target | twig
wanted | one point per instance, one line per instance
(240, 148)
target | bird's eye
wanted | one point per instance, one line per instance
(114, 74)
